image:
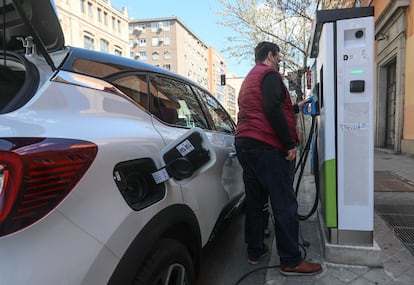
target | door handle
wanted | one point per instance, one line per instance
(232, 154)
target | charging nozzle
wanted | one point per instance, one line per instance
(311, 107)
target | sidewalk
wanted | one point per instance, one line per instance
(393, 230)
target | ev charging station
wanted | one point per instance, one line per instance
(343, 76)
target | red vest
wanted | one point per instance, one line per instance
(251, 120)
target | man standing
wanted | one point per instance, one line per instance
(266, 142)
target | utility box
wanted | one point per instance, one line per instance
(343, 77)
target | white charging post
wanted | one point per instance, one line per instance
(343, 49)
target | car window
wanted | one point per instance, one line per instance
(135, 86)
(174, 102)
(221, 119)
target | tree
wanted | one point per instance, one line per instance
(285, 22)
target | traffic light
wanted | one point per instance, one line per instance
(223, 79)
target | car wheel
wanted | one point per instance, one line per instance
(170, 263)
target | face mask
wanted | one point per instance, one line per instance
(275, 63)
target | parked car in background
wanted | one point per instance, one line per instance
(112, 171)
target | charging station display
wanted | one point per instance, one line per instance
(343, 48)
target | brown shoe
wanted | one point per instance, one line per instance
(304, 268)
(255, 259)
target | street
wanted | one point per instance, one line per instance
(224, 259)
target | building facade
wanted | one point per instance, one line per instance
(394, 26)
(168, 43)
(217, 69)
(234, 83)
(94, 24)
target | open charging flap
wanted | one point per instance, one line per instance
(186, 157)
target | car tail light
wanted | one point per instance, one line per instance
(36, 174)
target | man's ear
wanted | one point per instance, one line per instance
(269, 54)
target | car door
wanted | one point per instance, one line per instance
(176, 109)
(223, 134)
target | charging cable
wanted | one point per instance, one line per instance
(267, 267)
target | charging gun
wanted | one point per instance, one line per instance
(311, 107)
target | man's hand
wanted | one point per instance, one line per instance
(291, 154)
(303, 102)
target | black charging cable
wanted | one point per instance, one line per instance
(266, 267)
(302, 162)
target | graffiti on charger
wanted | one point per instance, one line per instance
(354, 127)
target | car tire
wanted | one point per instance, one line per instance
(169, 263)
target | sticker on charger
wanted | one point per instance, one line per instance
(160, 176)
(185, 147)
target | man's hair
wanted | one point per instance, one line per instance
(262, 49)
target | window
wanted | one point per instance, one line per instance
(154, 27)
(104, 45)
(88, 42)
(135, 86)
(154, 42)
(155, 55)
(167, 54)
(142, 55)
(167, 40)
(142, 42)
(82, 6)
(138, 28)
(167, 66)
(118, 51)
(105, 18)
(99, 15)
(90, 13)
(113, 23)
(166, 25)
(174, 102)
(221, 119)
(118, 25)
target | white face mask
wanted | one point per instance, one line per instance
(275, 62)
(277, 65)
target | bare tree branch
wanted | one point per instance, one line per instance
(285, 22)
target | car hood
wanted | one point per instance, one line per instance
(35, 18)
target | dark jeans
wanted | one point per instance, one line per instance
(266, 173)
(266, 208)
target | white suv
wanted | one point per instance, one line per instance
(112, 171)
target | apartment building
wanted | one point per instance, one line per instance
(217, 69)
(94, 24)
(169, 43)
(234, 83)
(231, 100)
